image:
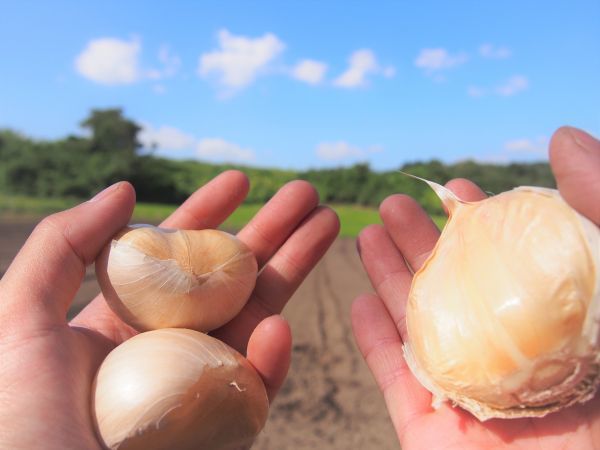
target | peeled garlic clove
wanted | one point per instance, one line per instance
(177, 389)
(503, 317)
(158, 278)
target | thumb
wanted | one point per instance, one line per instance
(38, 287)
(575, 162)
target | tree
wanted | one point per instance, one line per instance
(111, 132)
(112, 148)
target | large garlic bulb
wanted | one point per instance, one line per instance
(503, 317)
(177, 389)
(158, 278)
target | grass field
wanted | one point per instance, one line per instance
(353, 218)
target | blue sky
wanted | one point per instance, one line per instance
(308, 84)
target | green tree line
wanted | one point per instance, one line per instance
(79, 166)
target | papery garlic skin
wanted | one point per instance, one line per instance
(158, 278)
(503, 316)
(177, 389)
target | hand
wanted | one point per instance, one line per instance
(47, 364)
(389, 253)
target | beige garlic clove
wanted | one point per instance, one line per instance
(157, 278)
(503, 317)
(177, 389)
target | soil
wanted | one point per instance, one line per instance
(329, 400)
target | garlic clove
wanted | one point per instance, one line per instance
(157, 278)
(177, 389)
(503, 316)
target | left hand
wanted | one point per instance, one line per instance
(47, 364)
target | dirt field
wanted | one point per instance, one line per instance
(329, 400)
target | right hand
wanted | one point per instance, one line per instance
(389, 252)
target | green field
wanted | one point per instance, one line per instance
(352, 218)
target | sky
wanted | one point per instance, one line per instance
(308, 84)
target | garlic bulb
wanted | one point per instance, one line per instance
(503, 317)
(177, 389)
(159, 278)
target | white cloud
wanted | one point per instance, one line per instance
(436, 59)
(159, 89)
(165, 138)
(388, 72)
(110, 61)
(114, 61)
(492, 52)
(537, 146)
(512, 86)
(362, 63)
(335, 151)
(309, 71)
(222, 150)
(170, 64)
(476, 91)
(240, 59)
(169, 138)
(519, 150)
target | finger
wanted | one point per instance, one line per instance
(44, 277)
(282, 275)
(575, 162)
(208, 207)
(381, 347)
(410, 228)
(389, 274)
(276, 221)
(270, 350)
(390, 254)
(466, 190)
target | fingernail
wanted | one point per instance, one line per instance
(105, 193)
(358, 248)
(585, 140)
(280, 317)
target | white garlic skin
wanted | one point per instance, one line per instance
(158, 278)
(503, 317)
(177, 389)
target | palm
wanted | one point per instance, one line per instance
(48, 365)
(578, 427)
(392, 253)
(378, 322)
(52, 386)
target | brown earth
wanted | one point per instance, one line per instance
(329, 400)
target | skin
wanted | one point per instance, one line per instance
(47, 364)
(392, 252)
